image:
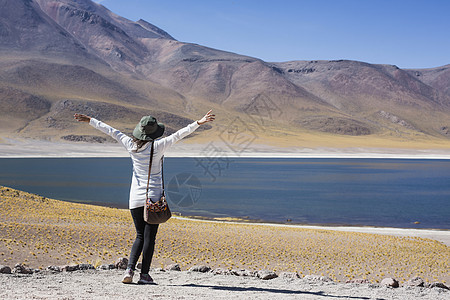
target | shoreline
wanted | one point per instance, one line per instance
(45, 149)
(440, 235)
(321, 226)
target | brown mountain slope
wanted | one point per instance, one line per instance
(94, 13)
(27, 84)
(25, 28)
(62, 56)
(437, 78)
(113, 38)
(62, 80)
(19, 108)
(372, 93)
(228, 79)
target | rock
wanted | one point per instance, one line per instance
(250, 273)
(445, 130)
(70, 268)
(122, 263)
(173, 267)
(5, 270)
(221, 271)
(158, 270)
(396, 120)
(20, 269)
(317, 278)
(86, 267)
(416, 281)
(289, 275)
(107, 267)
(243, 272)
(54, 268)
(438, 285)
(337, 125)
(84, 138)
(201, 268)
(358, 280)
(266, 274)
(391, 282)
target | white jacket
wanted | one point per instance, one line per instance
(141, 160)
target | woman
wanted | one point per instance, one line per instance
(146, 131)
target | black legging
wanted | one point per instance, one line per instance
(144, 242)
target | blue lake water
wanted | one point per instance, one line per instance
(373, 192)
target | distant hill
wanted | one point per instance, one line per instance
(58, 57)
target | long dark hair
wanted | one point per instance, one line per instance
(139, 143)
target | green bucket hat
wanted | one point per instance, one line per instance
(148, 129)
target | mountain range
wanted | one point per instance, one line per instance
(58, 57)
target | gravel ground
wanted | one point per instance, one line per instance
(96, 284)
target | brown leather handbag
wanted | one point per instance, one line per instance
(156, 212)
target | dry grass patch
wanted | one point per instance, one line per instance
(41, 232)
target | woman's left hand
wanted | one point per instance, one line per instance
(82, 118)
(209, 117)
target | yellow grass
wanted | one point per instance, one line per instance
(286, 138)
(275, 133)
(41, 232)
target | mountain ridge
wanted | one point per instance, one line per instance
(80, 51)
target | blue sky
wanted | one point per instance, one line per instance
(406, 33)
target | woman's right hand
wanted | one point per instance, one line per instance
(209, 117)
(82, 118)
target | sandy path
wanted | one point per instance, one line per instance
(193, 285)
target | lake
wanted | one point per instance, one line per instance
(406, 193)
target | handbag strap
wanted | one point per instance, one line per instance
(150, 169)
(162, 175)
